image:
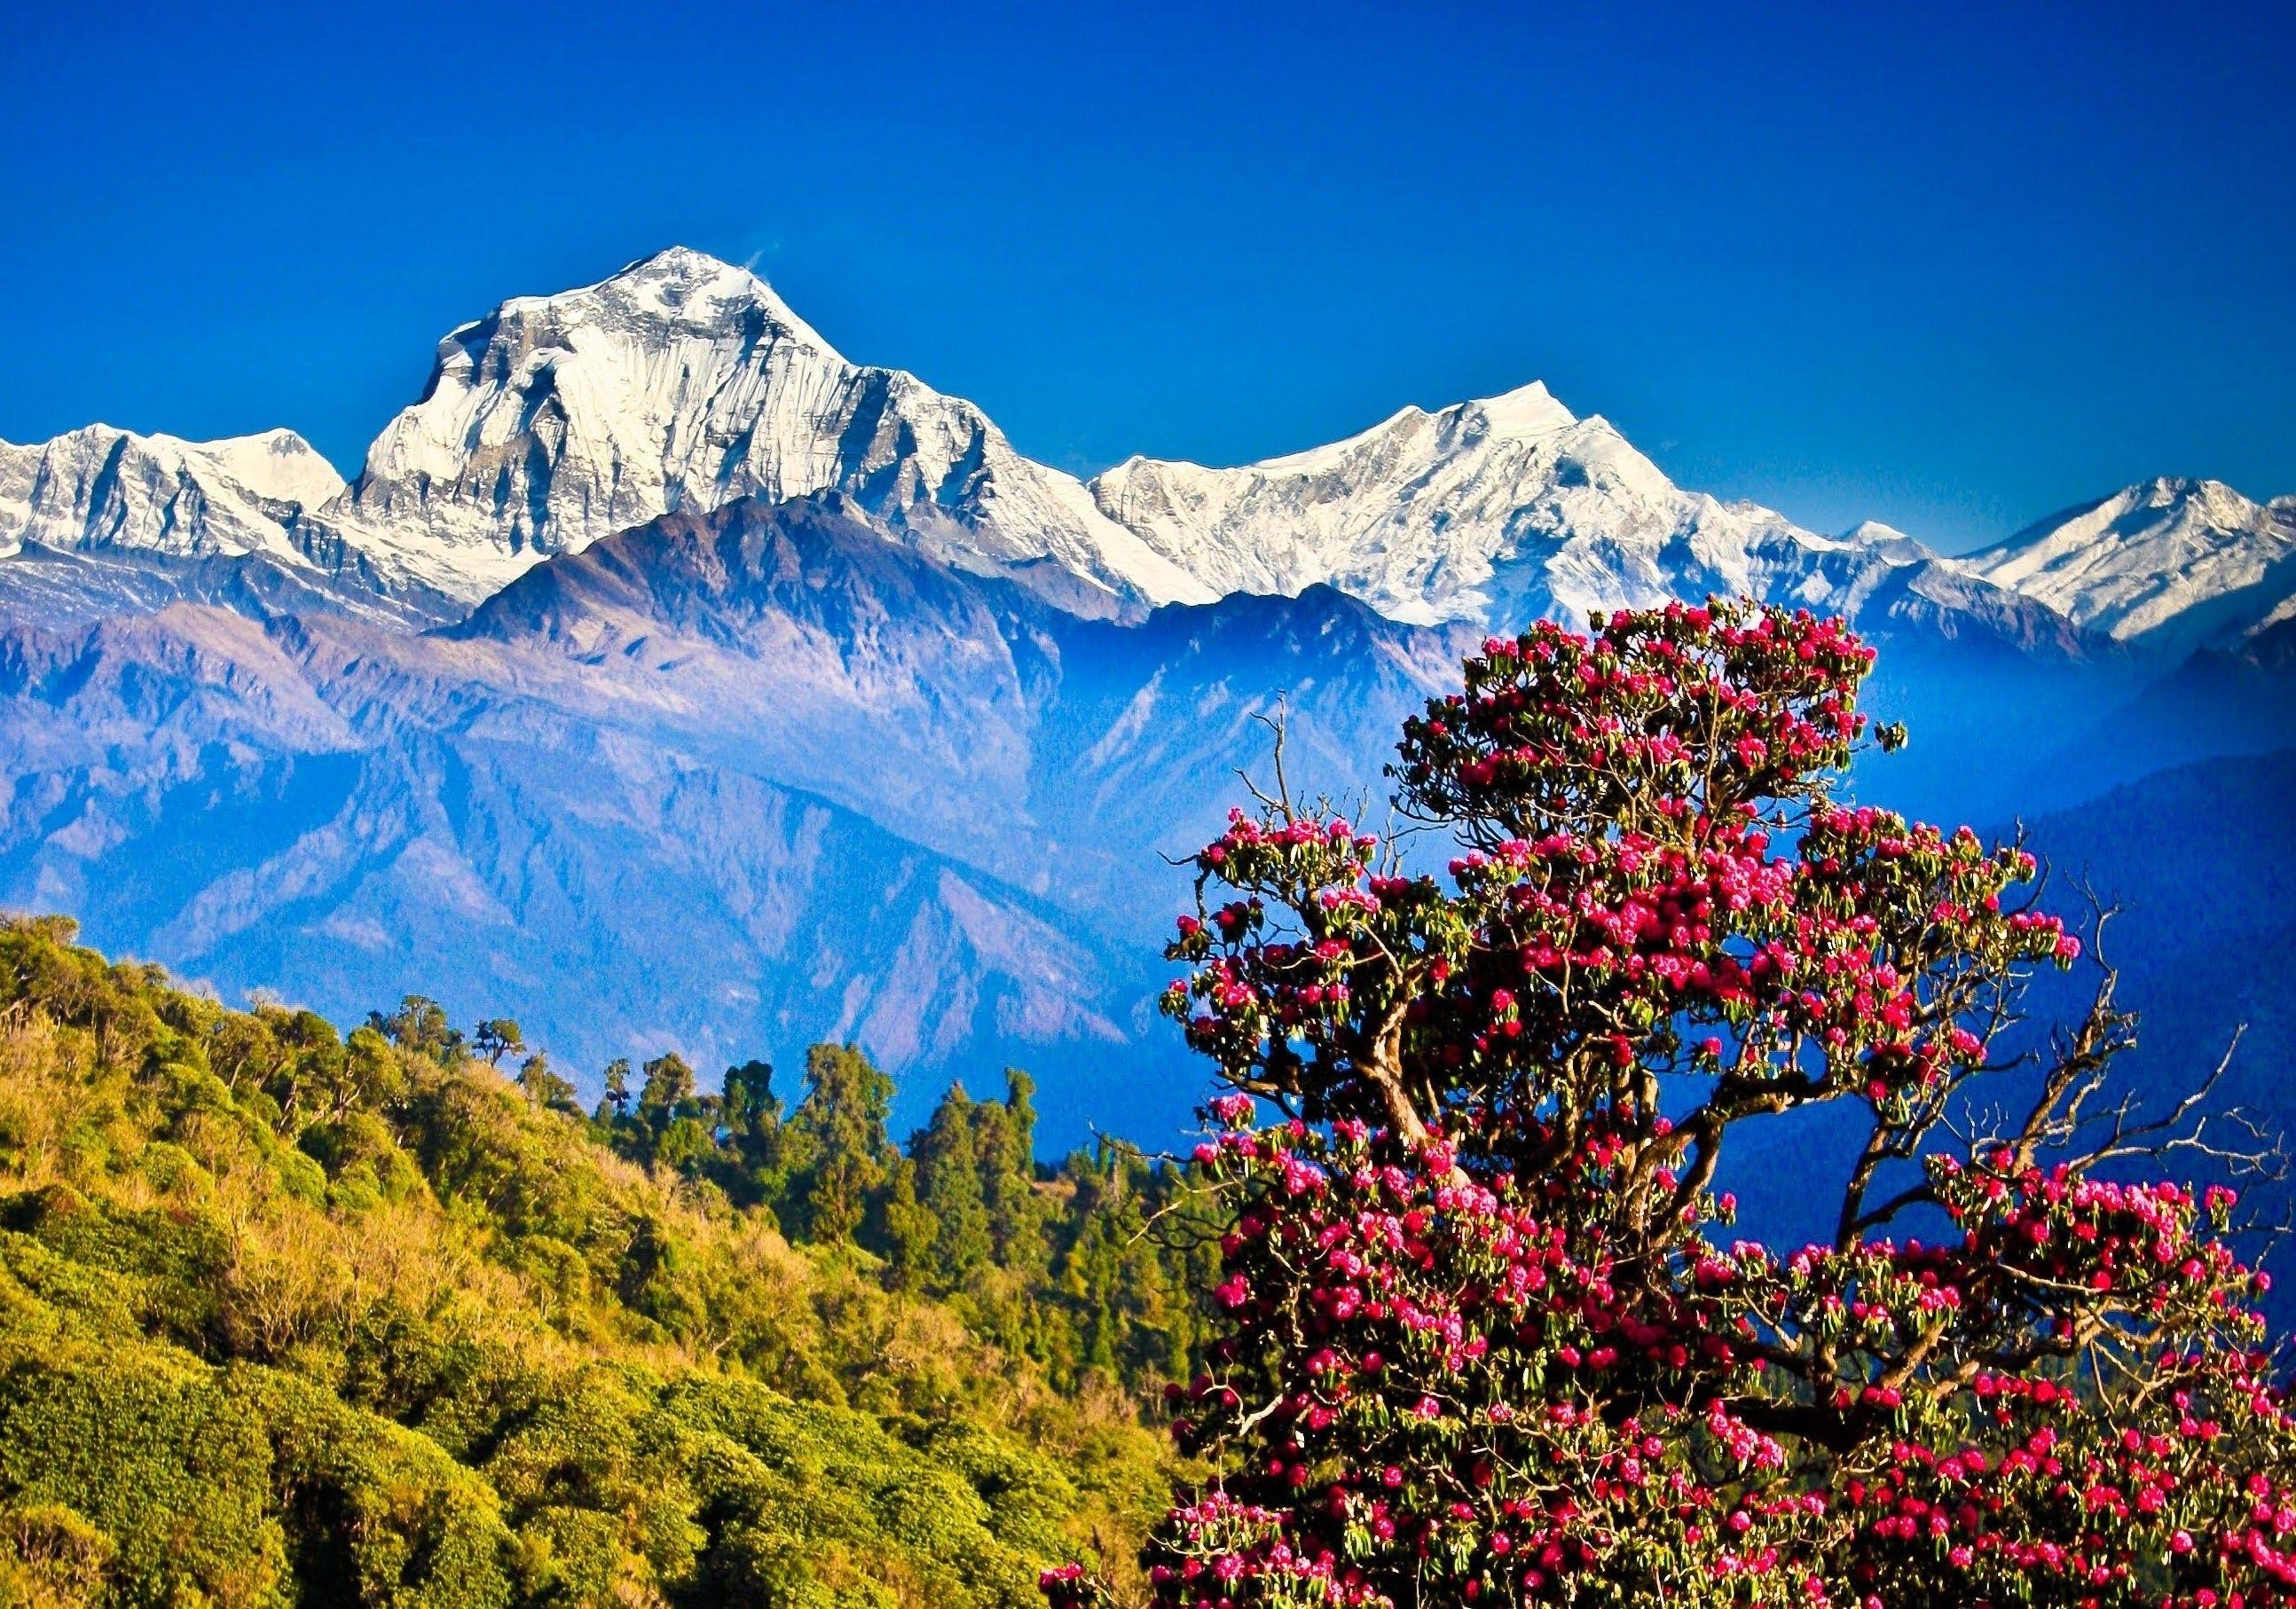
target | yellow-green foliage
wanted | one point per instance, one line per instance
(291, 1319)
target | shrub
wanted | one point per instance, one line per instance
(285, 1318)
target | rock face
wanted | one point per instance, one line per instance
(683, 383)
(99, 489)
(2169, 563)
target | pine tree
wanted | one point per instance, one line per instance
(496, 1037)
(910, 1229)
(668, 1086)
(842, 1125)
(749, 1105)
(759, 1148)
(543, 1086)
(948, 1182)
(616, 1105)
(420, 1024)
(1005, 1146)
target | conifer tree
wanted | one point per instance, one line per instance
(668, 1086)
(757, 1138)
(420, 1024)
(1005, 1140)
(614, 1106)
(847, 1157)
(543, 1084)
(496, 1037)
(948, 1167)
(910, 1232)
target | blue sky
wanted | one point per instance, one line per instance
(1951, 268)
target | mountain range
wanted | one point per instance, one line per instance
(662, 677)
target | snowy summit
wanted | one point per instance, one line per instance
(685, 383)
(2173, 561)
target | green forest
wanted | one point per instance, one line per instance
(292, 1316)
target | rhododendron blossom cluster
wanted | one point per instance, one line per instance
(1490, 1336)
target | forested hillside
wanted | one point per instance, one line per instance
(287, 1315)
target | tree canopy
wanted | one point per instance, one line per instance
(1486, 1333)
(288, 1317)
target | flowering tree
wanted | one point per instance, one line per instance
(1487, 1338)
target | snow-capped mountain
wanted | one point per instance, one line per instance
(685, 383)
(1498, 510)
(101, 522)
(783, 699)
(2171, 563)
(100, 488)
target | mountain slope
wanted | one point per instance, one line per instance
(683, 383)
(103, 488)
(800, 640)
(1501, 512)
(747, 776)
(45, 586)
(100, 522)
(2168, 563)
(290, 1318)
(344, 814)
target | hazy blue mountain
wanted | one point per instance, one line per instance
(730, 782)
(737, 780)
(664, 679)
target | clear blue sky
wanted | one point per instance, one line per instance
(1951, 269)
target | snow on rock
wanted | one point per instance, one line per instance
(683, 382)
(1498, 511)
(102, 489)
(2170, 563)
(1872, 536)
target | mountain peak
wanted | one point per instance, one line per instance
(2171, 561)
(1526, 410)
(683, 382)
(1887, 543)
(1522, 414)
(677, 262)
(100, 486)
(676, 289)
(1496, 510)
(1871, 533)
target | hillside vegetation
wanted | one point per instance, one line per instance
(291, 1317)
